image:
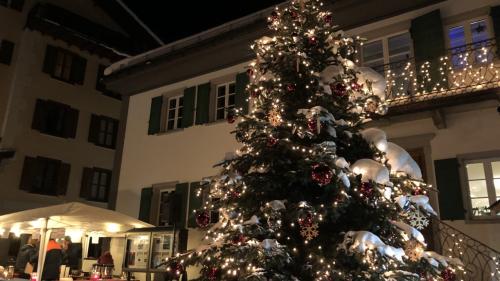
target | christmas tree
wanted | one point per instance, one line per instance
(311, 194)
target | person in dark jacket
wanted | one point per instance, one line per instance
(27, 253)
(71, 253)
(53, 261)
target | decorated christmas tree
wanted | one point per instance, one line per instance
(312, 194)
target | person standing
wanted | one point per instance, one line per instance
(53, 261)
(27, 254)
(71, 253)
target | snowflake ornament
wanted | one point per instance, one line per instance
(309, 232)
(418, 220)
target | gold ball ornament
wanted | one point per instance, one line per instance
(274, 117)
(414, 250)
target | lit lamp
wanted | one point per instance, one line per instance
(95, 276)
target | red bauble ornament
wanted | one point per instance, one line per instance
(274, 16)
(328, 19)
(321, 174)
(250, 72)
(355, 86)
(234, 194)
(448, 275)
(313, 40)
(290, 87)
(202, 219)
(212, 273)
(416, 191)
(255, 94)
(338, 89)
(231, 118)
(367, 189)
(238, 239)
(272, 141)
(294, 15)
(306, 221)
(314, 125)
(176, 268)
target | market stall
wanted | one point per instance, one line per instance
(73, 219)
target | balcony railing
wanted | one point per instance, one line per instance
(481, 263)
(465, 69)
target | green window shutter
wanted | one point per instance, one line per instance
(202, 103)
(6, 50)
(241, 101)
(145, 206)
(182, 194)
(78, 68)
(495, 17)
(155, 115)
(70, 122)
(50, 59)
(85, 189)
(63, 178)
(95, 123)
(451, 205)
(195, 202)
(187, 116)
(428, 44)
(39, 116)
(31, 170)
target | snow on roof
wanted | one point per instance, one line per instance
(185, 42)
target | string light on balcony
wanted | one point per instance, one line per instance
(469, 69)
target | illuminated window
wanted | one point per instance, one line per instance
(483, 181)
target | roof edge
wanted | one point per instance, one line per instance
(190, 40)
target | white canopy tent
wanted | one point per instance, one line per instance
(76, 218)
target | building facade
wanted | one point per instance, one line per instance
(58, 122)
(441, 62)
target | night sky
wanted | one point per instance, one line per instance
(184, 18)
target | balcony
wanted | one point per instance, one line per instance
(470, 71)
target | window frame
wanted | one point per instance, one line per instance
(64, 66)
(167, 109)
(385, 47)
(107, 187)
(108, 121)
(227, 95)
(169, 190)
(467, 32)
(480, 157)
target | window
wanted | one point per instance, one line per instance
(101, 87)
(6, 50)
(212, 199)
(95, 184)
(483, 181)
(64, 65)
(13, 4)
(474, 33)
(390, 49)
(44, 176)
(103, 131)
(225, 99)
(55, 119)
(174, 113)
(166, 215)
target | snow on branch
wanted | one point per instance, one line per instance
(361, 241)
(371, 170)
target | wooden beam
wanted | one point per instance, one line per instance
(439, 119)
